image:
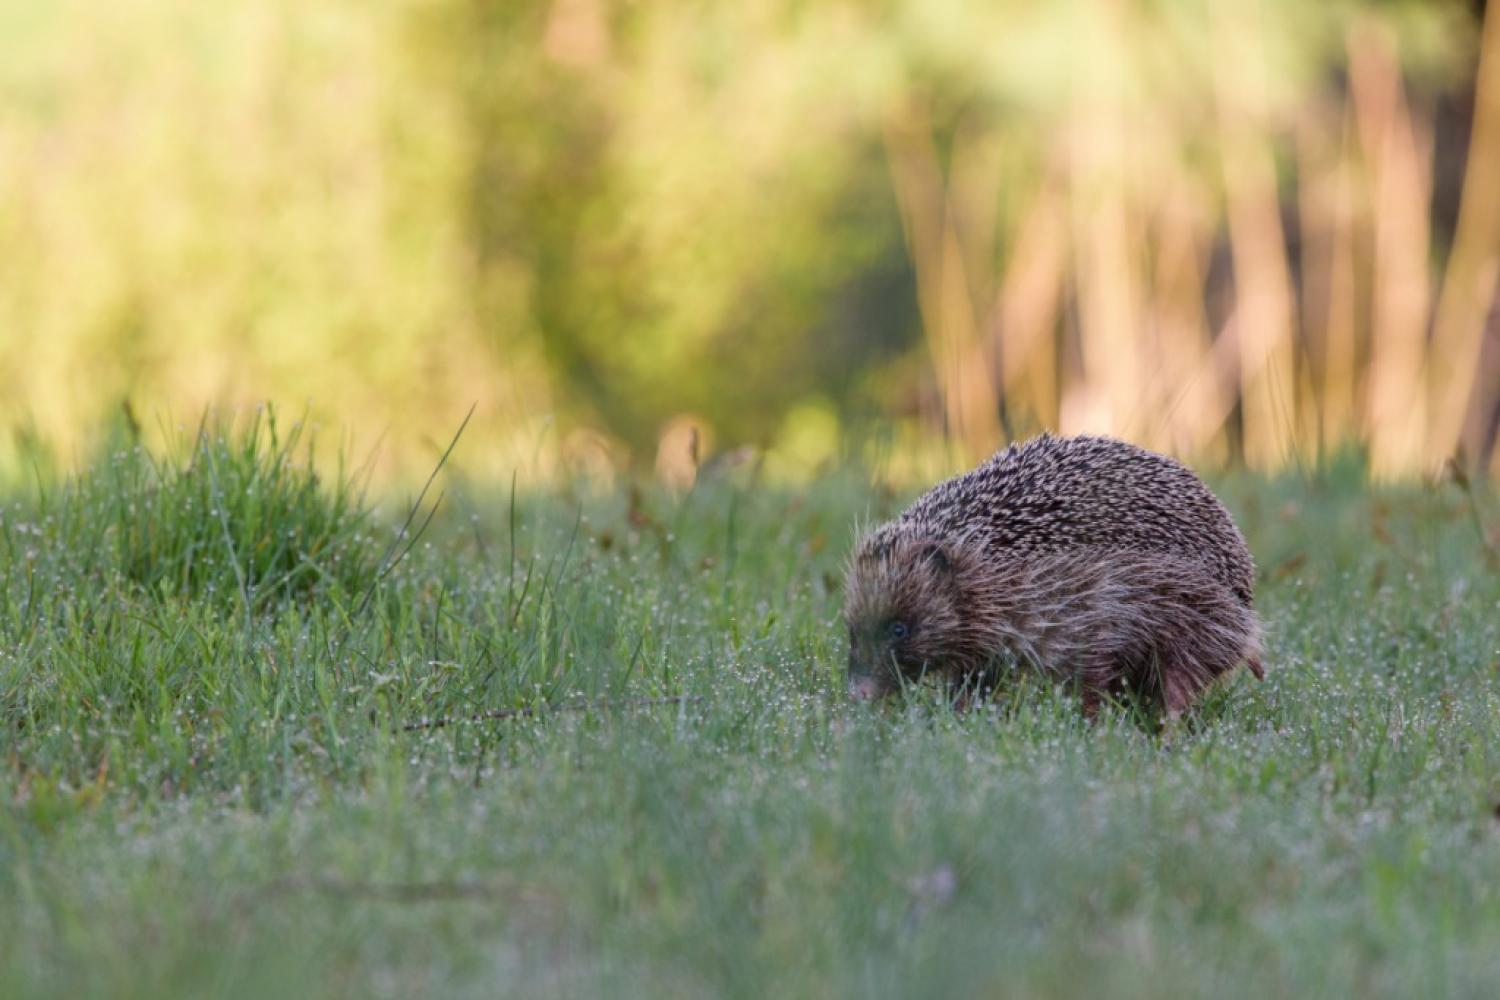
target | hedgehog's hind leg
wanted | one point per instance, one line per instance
(1181, 681)
(1195, 631)
(1189, 659)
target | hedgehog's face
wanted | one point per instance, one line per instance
(900, 605)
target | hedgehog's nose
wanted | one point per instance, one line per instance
(864, 688)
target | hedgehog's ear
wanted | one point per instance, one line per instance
(937, 558)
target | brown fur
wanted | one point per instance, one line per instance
(1136, 579)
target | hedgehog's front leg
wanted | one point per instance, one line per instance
(1100, 679)
(964, 689)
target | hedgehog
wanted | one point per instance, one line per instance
(1094, 563)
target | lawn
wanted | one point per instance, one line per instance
(255, 741)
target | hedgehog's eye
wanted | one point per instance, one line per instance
(899, 631)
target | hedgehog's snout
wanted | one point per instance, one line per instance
(862, 683)
(867, 682)
(865, 688)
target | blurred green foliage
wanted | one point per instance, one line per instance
(699, 223)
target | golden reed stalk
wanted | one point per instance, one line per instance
(1469, 284)
(970, 402)
(1401, 193)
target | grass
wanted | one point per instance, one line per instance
(209, 786)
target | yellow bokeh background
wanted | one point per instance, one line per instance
(1242, 232)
